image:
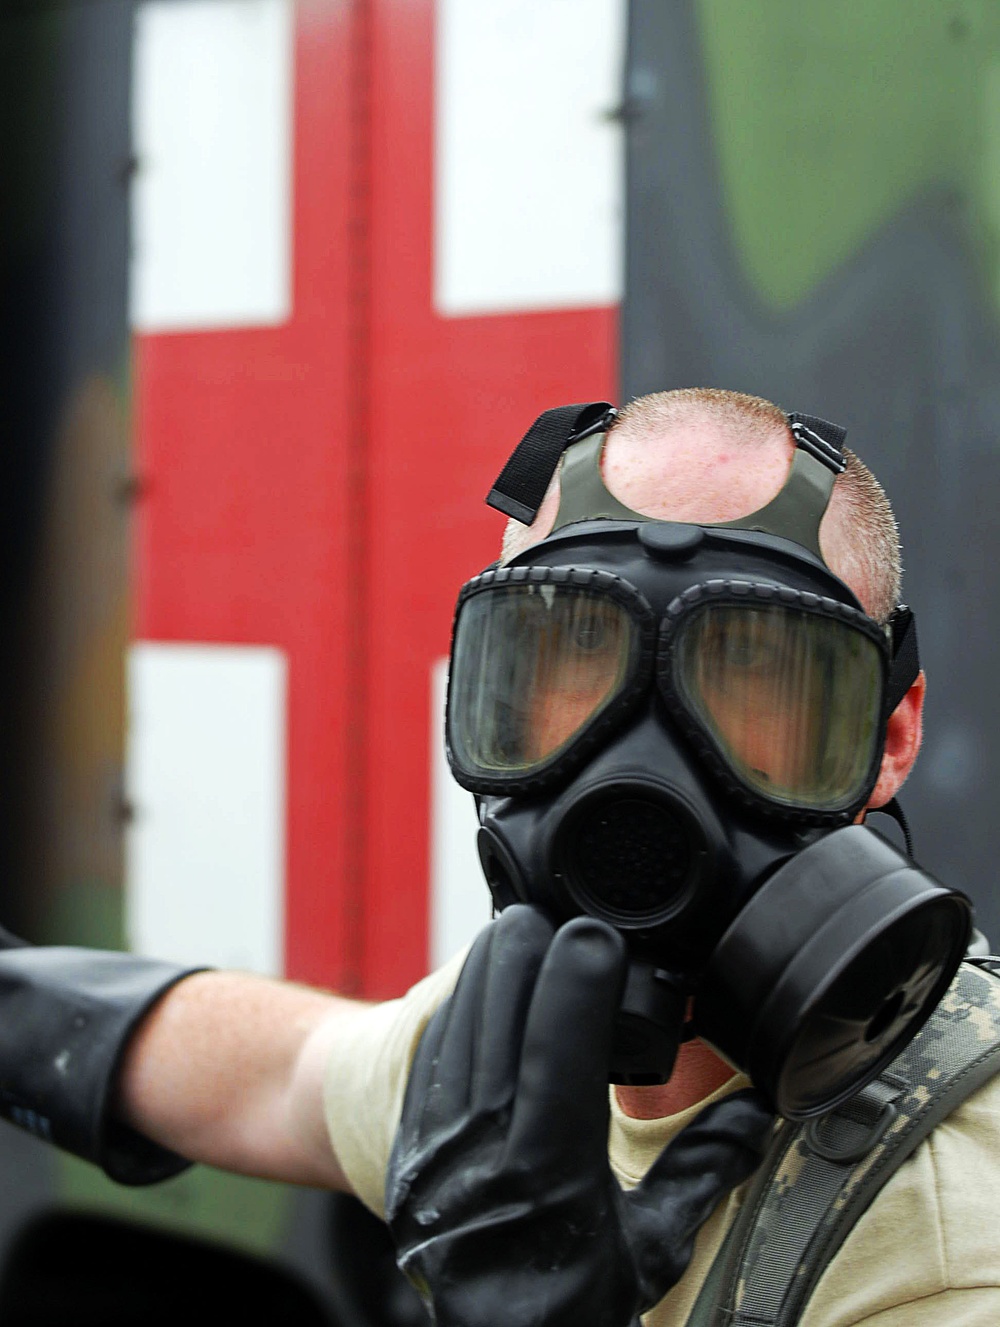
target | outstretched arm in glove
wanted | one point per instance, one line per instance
(142, 1066)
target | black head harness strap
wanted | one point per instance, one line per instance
(905, 656)
(523, 481)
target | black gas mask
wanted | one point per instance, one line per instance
(673, 727)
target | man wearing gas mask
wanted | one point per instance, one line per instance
(675, 701)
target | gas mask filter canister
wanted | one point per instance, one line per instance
(672, 727)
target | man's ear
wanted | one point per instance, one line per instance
(903, 735)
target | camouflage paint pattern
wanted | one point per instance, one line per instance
(813, 216)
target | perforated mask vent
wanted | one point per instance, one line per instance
(629, 859)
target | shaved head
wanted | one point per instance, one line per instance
(703, 455)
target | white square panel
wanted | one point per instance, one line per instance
(528, 166)
(212, 130)
(205, 776)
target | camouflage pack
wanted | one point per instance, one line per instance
(819, 1177)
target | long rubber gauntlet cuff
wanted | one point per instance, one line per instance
(65, 1018)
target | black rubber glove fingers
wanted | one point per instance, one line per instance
(499, 1192)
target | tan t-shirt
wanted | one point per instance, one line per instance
(926, 1254)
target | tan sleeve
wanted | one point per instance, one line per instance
(366, 1078)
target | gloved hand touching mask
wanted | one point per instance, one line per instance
(499, 1193)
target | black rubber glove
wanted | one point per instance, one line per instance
(65, 1018)
(499, 1193)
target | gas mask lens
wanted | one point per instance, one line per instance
(792, 700)
(533, 666)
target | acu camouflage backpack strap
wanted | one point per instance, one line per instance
(819, 1177)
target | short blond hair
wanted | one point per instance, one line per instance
(861, 507)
